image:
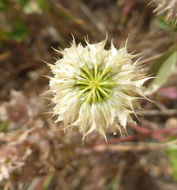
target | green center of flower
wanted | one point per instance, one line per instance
(95, 84)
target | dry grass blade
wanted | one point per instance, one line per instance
(135, 147)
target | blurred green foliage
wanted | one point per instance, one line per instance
(16, 13)
(48, 178)
(19, 30)
(112, 185)
(22, 2)
(166, 25)
(172, 156)
(15, 27)
(2, 6)
(42, 3)
(3, 126)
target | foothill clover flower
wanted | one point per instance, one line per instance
(96, 89)
(167, 7)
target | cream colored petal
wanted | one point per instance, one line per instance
(114, 102)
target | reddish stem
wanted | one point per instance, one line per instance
(145, 131)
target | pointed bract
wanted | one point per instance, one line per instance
(167, 7)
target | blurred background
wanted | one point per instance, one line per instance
(35, 154)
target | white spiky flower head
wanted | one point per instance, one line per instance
(95, 89)
(168, 7)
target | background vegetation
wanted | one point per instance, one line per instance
(35, 154)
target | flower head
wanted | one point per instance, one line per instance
(169, 7)
(95, 89)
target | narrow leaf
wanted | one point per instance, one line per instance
(172, 156)
(48, 178)
(163, 73)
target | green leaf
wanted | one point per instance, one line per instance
(3, 126)
(170, 25)
(172, 156)
(42, 3)
(21, 2)
(162, 23)
(20, 30)
(2, 6)
(3, 35)
(163, 72)
(48, 178)
(112, 185)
